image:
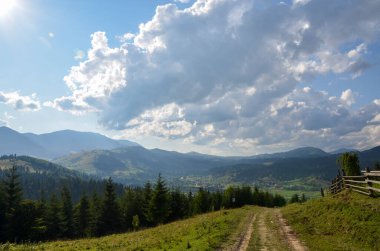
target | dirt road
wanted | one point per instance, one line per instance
(266, 230)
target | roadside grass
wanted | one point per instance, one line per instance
(347, 221)
(204, 232)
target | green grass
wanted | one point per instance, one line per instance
(347, 221)
(205, 232)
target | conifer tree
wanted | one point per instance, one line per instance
(178, 205)
(95, 211)
(159, 206)
(67, 213)
(2, 213)
(53, 219)
(40, 227)
(201, 202)
(13, 196)
(147, 196)
(129, 207)
(82, 217)
(109, 221)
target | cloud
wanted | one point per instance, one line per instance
(233, 66)
(19, 102)
(182, 1)
(348, 97)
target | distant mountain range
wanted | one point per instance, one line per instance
(135, 165)
(130, 163)
(55, 144)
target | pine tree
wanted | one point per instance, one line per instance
(67, 213)
(95, 211)
(82, 217)
(129, 207)
(109, 221)
(147, 196)
(159, 206)
(178, 205)
(13, 196)
(2, 213)
(216, 200)
(279, 201)
(201, 202)
(40, 227)
(53, 219)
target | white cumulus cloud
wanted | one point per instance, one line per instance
(235, 65)
(19, 102)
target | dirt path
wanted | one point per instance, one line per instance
(244, 242)
(289, 234)
(244, 238)
(265, 230)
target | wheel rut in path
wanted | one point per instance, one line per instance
(244, 238)
(289, 234)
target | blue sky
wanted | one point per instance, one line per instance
(224, 77)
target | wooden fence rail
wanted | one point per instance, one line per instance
(368, 183)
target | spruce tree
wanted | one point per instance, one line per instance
(178, 205)
(13, 196)
(109, 221)
(129, 207)
(40, 227)
(67, 213)
(53, 219)
(95, 211)
(159, 206)
(2, 213)
(147, 196)
(82, 217)
(201, 202)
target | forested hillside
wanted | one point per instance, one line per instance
(40, 178)
(303, 169)
(57, 216)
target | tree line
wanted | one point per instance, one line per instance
(40, 178)
(57, 217)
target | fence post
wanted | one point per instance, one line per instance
(369, 183)
(343, 182)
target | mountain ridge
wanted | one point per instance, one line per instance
(54, 144)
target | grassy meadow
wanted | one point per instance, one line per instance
(204, 232)
(347, 221)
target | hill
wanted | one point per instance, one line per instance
(55, 144)
(135, 165)
(43, 178)
(13, 142)
(347, 221)
(204, 232)
(303, 169)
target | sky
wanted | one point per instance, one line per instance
(225, 77)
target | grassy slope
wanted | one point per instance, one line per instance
(348, 221)
(205, 232)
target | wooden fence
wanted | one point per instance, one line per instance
(368, 183)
